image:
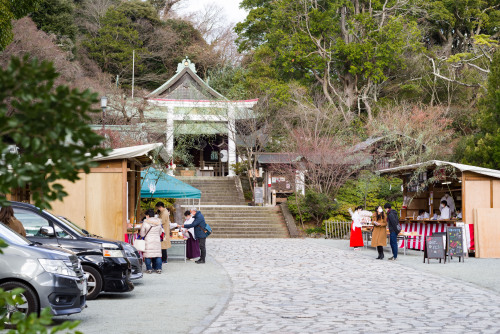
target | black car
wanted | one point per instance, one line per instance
(130, 252)
(103, 261)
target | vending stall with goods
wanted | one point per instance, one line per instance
(438, 194)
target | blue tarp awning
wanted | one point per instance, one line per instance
(156, 184)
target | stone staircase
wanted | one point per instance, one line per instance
(224, 208)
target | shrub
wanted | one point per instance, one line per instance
(313, 206)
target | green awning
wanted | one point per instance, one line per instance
(156, 184)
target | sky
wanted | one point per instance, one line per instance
(231, 8)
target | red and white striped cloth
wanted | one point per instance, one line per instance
(422, 229)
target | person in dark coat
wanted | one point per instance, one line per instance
(192, 244)
(199, 226)
(393, 222)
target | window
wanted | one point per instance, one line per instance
(34, 224)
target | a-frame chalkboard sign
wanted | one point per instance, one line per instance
(434, 248)
(455, 242)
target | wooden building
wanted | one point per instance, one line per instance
(475, 190)
(104, 201)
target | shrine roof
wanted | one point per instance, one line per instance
(186, 85)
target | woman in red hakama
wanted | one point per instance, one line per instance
(356, 234)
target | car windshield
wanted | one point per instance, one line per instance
(69, 225)
(12, 237)
(73, 226)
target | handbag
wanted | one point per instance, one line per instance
(140, 244)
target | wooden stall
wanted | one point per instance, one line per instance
(475, 191)
(104, 201)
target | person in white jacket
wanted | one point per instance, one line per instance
(151, 231)
(356, 239)
(445, 210)
(450, 202)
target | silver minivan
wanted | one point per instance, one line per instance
(50, 277)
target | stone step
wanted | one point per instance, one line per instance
(245, 218)
(249, 236)
(248, 230)
(253, 224)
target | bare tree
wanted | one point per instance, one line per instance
(218, 31)
(413, 133)
(318, 145)
(89, 14)
(164, 7)
(28, 40)
(253, 132)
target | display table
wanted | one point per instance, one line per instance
(422, 228)
(178, 243)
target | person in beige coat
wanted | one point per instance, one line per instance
(165, 222)
(379, 234)
(151, 231)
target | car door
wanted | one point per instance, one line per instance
(38, 228)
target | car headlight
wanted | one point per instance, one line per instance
(57, 267)
(111, 250)
(112, 253)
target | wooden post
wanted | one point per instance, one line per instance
(463, 199)
(124, 198)
(431, 204)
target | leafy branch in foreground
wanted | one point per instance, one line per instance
(44, 135)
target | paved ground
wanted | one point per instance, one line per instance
(176, 301)
(482, 272)
(301, 286)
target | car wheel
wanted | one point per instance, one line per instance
(94, 282)
(29, 297)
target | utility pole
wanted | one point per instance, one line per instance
(133, 72)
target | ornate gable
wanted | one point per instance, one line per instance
(186, 85)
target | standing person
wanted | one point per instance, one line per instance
(393, 222)
(356, 239)
(199, 225)
(151, 231)
(379, 234)
(165, 222)
(192, 244)
(450, 202)
(7, 217)
(445, 210)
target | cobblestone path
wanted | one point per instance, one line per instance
(295, 286)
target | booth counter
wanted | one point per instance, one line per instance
(475, 191)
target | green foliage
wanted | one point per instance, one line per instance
(461, 19)
(483, 149)
(248, 195)
(137, 10)
(2, 245)
(314, 230)
(114, 43)
(149, 203)
(31, 324)
(13, 10)
(56, 17)
(230, 82)
(49, 126)
(313, 206)
(367, 190)
(240, 168)
(327, 40)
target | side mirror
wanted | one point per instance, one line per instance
(47, 231)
